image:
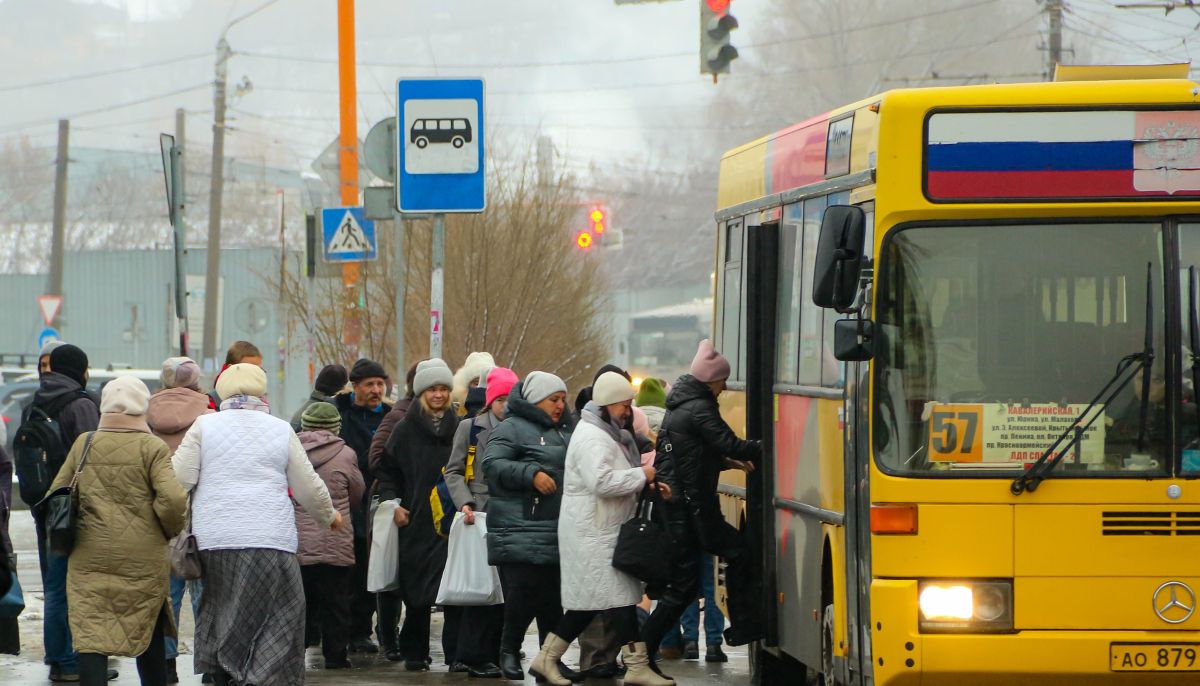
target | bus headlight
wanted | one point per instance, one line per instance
(965, 606)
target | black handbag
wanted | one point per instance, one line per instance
(60, 509)
(644, 548)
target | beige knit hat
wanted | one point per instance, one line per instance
(242, 378)
(612, 388)
(125, 395)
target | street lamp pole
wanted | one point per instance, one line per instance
(212, 278)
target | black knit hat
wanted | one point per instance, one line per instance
(331, 379)
(366, 369)
(71, 362)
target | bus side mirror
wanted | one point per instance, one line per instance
(839, 259)
(853, 340)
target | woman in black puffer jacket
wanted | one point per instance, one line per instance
(694, 446)
(524, 462)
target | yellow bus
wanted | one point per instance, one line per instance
(963, 320)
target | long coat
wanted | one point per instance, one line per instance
(130, 505)
(415, 455)
(601, 491)
(523, 523)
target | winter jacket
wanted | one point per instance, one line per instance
(474, 493)
(603, 480)
(358, 429)
(692, 446)
(414, 457)
(76, 417)
(314, 397)
(130, 505)
(523, 523)
(337, 466)
(6, 480)
(172, 412)
(379, 442)
(240, 464)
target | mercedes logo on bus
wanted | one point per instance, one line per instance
(1174, 602)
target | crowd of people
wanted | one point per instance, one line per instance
(282, 516)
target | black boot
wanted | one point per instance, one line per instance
(510, 667)
(172, 673)
(570, 674)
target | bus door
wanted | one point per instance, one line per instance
(762, 267)
(856, 455)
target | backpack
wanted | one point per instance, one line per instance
(39, 450)
(440, 503)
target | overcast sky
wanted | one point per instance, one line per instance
(604, 80)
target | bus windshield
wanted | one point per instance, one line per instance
(993, 339)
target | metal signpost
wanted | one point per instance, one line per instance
(440, 165)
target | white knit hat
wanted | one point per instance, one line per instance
(430, 373)
(242, 378)
(612, 388)
(541, 385)
(125, 395)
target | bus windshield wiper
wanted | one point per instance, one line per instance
(1127, 370)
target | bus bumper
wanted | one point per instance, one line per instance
(902, 656)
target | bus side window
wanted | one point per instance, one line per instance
(419, 125)
(732, 316)
(790, 294)
(811, 316)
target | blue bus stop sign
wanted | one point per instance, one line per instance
(48, 334)
(440, 146)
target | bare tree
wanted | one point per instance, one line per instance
(514, 287)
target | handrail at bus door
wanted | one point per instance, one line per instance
(827, 516)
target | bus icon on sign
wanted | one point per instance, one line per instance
(456, 132)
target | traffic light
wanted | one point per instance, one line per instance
(715, 24)
(584, 240)
(599, 217)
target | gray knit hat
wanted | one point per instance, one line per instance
(541, 385)
(430, 373)
(321, 416)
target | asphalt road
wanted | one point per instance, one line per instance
(27, 667)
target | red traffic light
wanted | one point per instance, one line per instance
(584, 240)
(718, 6)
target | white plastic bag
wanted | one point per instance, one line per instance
(468, 578)
(383, 566)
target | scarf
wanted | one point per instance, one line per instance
(245, 402)
(591, 415)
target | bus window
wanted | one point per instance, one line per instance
(1189, 256)
(732, 316)
(811, 316)
(419, 125)
(833, 372)
(791, 278)
(994, 338)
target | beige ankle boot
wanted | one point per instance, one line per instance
(638, 671)
(545, 665)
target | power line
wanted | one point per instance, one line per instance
(106, 72)
(100, 110)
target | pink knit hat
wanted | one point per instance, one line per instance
(499, 382)
(709, 365)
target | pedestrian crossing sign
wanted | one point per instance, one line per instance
(348, 235)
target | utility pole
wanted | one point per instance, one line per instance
(348, 163)
(59, 230)
(179, 190)
(212, 275)
(545, 161)
(1054, 15)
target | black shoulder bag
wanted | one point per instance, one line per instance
(643, 546)
(60, 509)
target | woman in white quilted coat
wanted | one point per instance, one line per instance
(603, 480)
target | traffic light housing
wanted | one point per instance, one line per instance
(715, 24)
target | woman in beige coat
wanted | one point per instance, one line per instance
(130, 505)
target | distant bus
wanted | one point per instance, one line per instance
(663, 341)
(456, 132)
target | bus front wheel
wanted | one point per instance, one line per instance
(422, 142)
